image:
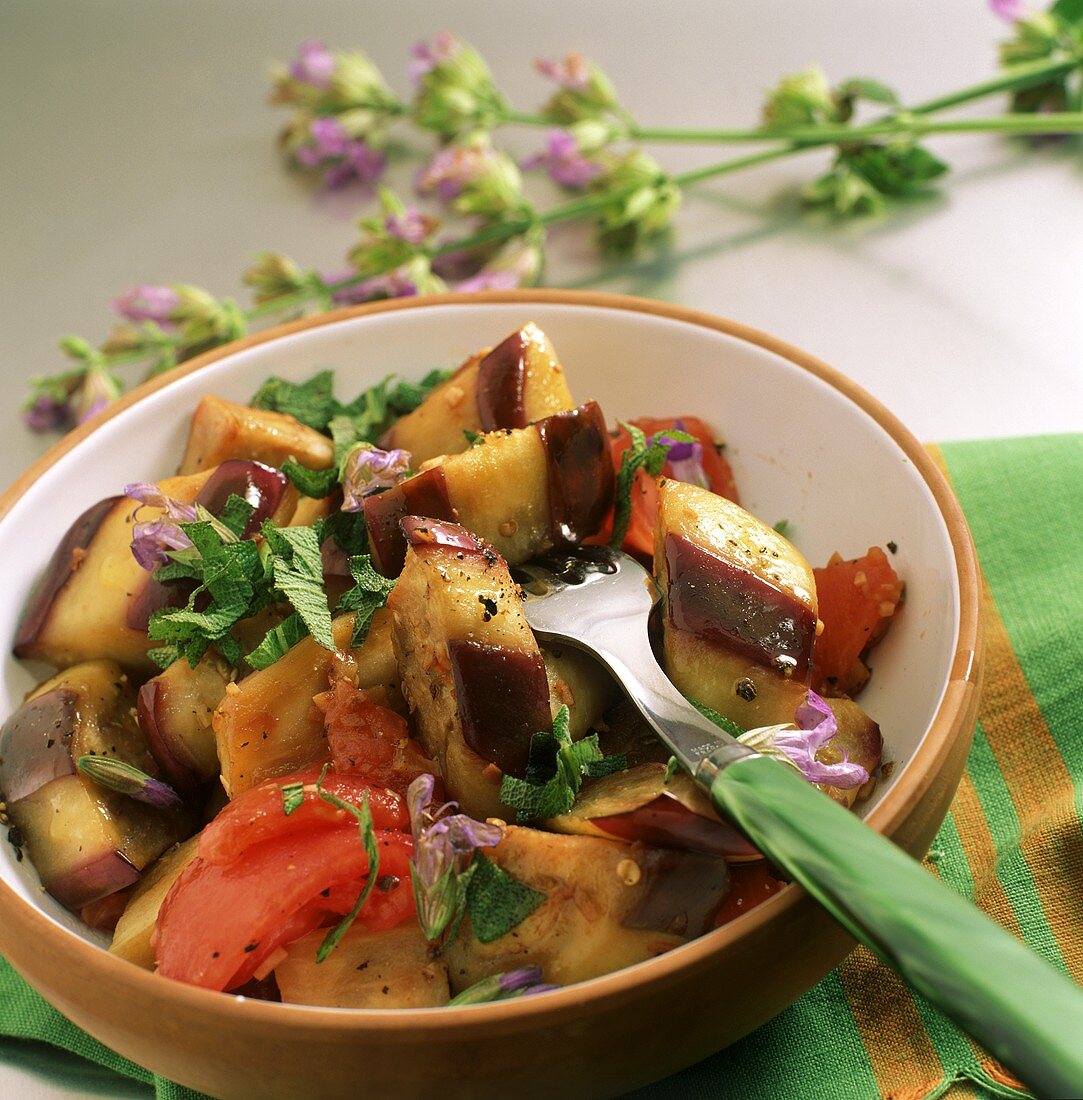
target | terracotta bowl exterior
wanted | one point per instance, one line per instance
(600, 1038)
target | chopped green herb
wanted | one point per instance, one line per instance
(672, 767)
(278, 641)
(368, 839)
(555, 772)
(311, 483)
(235, 514)
(298, 574)
(117, 775)
(719, 720)
(496, 901)
(473, 438)
(293, 795)
(368, 595)
(312, 402)
(783, 528)
(649, 456)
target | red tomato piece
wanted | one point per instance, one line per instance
(218, 923)
(639, 541)
(750, 884)
(857, 600)
(259, 814)
(369, 740)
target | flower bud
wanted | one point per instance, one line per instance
(455, 90)
(474, 179)
(585, 92)
(644, 202)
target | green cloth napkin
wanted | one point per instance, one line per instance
(1012, 841)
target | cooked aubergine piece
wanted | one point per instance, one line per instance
(739, 616)
(174, 710)
(390, 969)
(522, 491)
(608, 905)
(512, 385)
(221, 430)
(95, 600)
(267, 724)
(581, 684)
(639, 805)
(471, 670)
(133, 937)
(739, 620)
(85, 841)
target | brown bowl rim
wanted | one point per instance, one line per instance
(913, 782)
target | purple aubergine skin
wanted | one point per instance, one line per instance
(580, 472)
(423, 532)
(682, 892)
(262, 486)
(35, 743)
(99, 877)
(501, 382)
(503, 701)
(422, 495)
(666, 822)
(719, 602)
(175, 768)
(57, 573)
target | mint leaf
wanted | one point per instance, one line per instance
(368, 839)
(298, 574)
(497, 902)
(235, 514)
(278, 641)
(783, 528)
(649, 456)
(719, 720)
(311, 402)
(368, 595)
(555, 772)
(293, 795)
(311, 483)
(348, 529)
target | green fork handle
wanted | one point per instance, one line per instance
(1022, 1010)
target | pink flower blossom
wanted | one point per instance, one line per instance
(152, 539)
(410, 226)
(47, 414)
(394, 284)
(564, 162)
(572, 73)
(452, 169)
(685, 459)
(492, 279)
(314, 64)
(1011, 11)
(147, 303)
(367, 469)
(425, 57)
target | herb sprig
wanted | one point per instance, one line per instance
(644, 454)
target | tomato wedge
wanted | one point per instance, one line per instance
(218, 923)
(639, 540)
(258, 814)
(370, 740)
(857, 601)
(750, 884)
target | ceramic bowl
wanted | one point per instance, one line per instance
(806, 444)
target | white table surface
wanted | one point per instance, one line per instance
(138, 148)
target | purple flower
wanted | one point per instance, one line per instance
(572, 73)
(47, 414)
(814, 726)
(97, 391)
(444, 845)
(564, 162)
(410, 226)
(360, 162)
(395, 284)
(685, 458)
(523, 982)
(147, 303)
(116, 775)
(425, 57)
(314, 64)
(452, 169)
(329, 136)
(367, 469)
(153, 539)
(1011, 11)
(491, 279)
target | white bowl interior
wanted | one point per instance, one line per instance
(800, 449)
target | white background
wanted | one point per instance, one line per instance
(138, 148)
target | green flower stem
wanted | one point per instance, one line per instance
(1051, 123)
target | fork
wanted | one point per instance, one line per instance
(1016, 1005)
